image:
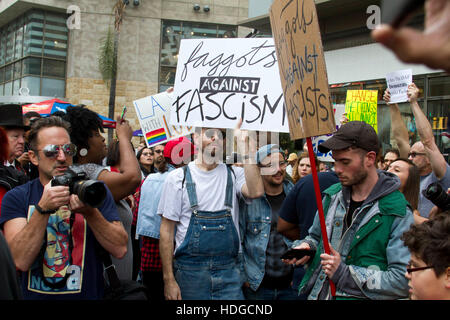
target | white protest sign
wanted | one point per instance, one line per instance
(398, 82)
(219, 81)
(339, 110)
(153, 113)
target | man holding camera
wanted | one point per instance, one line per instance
(52, 234)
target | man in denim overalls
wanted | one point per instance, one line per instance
(201, 201)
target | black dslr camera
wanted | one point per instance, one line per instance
(91, 192)
(436, 194)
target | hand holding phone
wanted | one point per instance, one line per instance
(298, 254)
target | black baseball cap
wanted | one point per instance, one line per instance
(354, 133)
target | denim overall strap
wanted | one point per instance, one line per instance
(190, 187)
(229, 190)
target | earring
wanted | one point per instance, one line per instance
(83, 152)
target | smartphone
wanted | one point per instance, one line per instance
(396, 12)
(122, 116)
(298, 253)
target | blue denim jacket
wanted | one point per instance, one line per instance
(148, 221)
(254, 226)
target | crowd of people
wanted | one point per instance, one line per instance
(177, 219)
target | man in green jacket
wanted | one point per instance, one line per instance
(365, 217)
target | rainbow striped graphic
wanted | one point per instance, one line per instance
(155, 136)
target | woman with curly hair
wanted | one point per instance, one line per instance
(303, 167)
(122, 181)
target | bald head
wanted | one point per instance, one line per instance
(419, 157)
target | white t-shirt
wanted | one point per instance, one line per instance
(210, 187)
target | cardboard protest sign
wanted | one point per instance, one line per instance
(302, 68)
(219, 81)
(153, 113)
(361, 105)
(398, 83)
(339, 110)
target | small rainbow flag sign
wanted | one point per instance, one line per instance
(155, 136)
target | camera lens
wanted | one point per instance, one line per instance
(91, 192)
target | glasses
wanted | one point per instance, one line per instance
(52, 150)
(415, 154)
(411, 270)
(281, 164)
(146, 154)
(158, 151)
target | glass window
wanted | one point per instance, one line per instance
(54, 68)
(19, 40)
(439, 86)
(173, 32)
(33, 84)
(439, 117)
(17, 70)
(16, 87)
(199, 30)
(32, 66)
(8, 88)
(9, 44)
(2, 48)
(52, 87)
(33, 34)
(8, 72)
(2, 74)
(170, 44)
(167, 75)
(1, 89)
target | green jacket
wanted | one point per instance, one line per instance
(373, 257)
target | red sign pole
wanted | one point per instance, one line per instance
(323, 228)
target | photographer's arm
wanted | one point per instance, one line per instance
(111, 235)
(123, 183)
(25, 237)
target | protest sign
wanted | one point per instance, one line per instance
(219, 81)
(304, 78)
(339, 110)
(153, 113)
(361, 105)
(302, 68)
(398, 83)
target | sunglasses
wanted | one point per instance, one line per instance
(147, 154)
(52, 150)
(158, 151)
(415, 154)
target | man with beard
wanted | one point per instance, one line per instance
(365, 218)
(266, 277)
(53, 235)
(201, 201)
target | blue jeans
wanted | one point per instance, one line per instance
(206, 263)
(271, 294)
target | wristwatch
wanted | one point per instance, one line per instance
(41, 211)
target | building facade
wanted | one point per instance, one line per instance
(45, 52)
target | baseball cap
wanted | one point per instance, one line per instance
(184, 150)
(354, 133)
(266, 151)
